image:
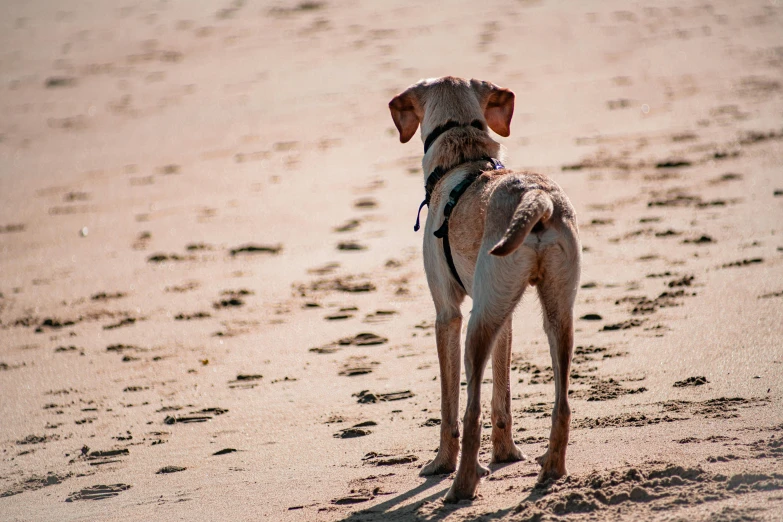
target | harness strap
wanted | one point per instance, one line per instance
(454, 195)
(443, 231)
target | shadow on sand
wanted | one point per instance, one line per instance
(399, 508)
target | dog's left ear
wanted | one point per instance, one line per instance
(498, 105)
(403, 112)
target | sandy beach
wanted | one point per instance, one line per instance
(213, 305)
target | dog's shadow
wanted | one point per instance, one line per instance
(398, 508)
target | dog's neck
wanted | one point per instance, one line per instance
(457, 146)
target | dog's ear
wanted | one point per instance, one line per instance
(403, 112)
(498, 105)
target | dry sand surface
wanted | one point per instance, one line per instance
(206, 257)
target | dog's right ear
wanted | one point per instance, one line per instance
(403, 112)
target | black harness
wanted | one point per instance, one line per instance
(439, 173)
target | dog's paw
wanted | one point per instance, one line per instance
(551, 475)
(466, 484)
(551, 469)
(508, 454)
(438, 467)
(459, 492)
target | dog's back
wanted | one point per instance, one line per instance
(505, 210)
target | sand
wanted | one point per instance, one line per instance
(204, 207)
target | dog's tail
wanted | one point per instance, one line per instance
(535, 206)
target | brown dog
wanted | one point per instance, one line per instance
(509, 230)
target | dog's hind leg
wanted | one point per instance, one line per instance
(557, 295)
(448, 323)
(503, 447)
(493, 301)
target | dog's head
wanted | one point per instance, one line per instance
(433, 102)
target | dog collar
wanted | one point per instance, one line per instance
(440, 129)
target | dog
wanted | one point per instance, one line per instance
(490, 232)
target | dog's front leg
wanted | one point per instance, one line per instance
(503, 447)
(447, 332)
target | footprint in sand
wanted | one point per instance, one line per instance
(380, 316)
(362, 339)
(203, 415)
(351, 224)
(711, 438)
(691, 381)
(338, 316)
(245, 381)
(379, 459)
(54, 323)
(743, 262)
(349, 246)
(685, 280)
(357, 366)
(123, 348)
(100, 458)
(643, 305)
(233, 298)
(343, 313)
(163, 258)
(11, 228)
(104, 296)
(66, 349)
(186, 419)
(673, 163)
(703, 239)
(720, 408)
(723, 178)
(98, 492)
(76, 196)
(349, 284)
(36, 439)
(355, 498)
(365, 203)
(191, 317)
(256, 249)
(35, 483)
(358, 430)
(142, 241)
(185, 287)
(367, 397)
(198, 247)
(135, 388)
(623, 420)
(604, 390)
(585, 354)
(169, 169)
(170, 469)
(625, 325)
(128, 321)
(326, 269)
